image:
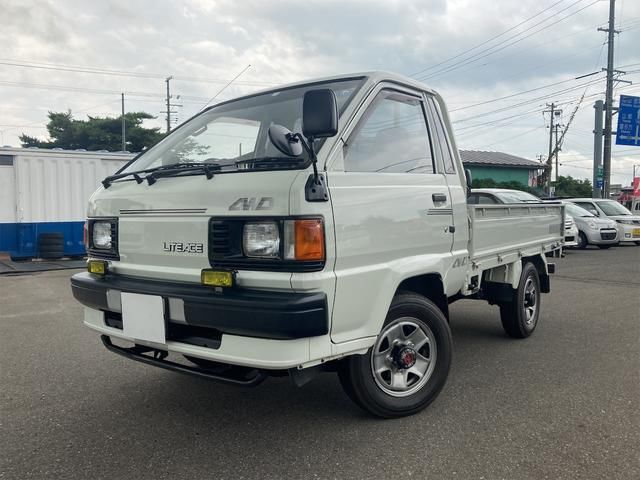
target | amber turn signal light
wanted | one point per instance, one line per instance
(309, 239)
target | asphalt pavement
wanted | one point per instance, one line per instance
(563, 404)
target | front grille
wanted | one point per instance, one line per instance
(608, 235)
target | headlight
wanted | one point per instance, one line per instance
(261, 239)
(102, 235)
(626, 222)
(591, 225)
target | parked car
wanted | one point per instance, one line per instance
(500, 196)
(591, 229)
(335, 248)
(628, 224)
(496, 196)
(571, 231)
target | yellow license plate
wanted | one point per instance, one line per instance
(636, 232)
(217, 278)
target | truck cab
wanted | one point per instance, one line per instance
(318, 226)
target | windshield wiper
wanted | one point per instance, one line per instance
(136, 174)
(272, 162)
(207, 168)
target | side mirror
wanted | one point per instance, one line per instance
(469, 179)
(285, 141)
(319, 114)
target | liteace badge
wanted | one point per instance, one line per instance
(179, 247)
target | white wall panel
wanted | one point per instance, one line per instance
(54, 186)
(7, 194)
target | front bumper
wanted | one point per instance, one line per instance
(198, 311)
(603, 236)
(628, 233)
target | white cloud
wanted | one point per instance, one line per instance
(288, 40)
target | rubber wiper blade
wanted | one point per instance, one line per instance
(272, 162)
(207, 168)
(136, 175)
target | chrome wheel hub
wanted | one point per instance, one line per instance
(403, 357)
(530, 301)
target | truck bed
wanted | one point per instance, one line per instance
(502, 233)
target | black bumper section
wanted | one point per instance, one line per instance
(233, 375)
(252, 313)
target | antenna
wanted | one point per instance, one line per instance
(225, 87)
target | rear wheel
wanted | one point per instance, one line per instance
(520, 316)
(408, 365)
(582, 241)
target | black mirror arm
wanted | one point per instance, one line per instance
(308, 147)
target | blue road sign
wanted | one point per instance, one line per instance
(628, 132)
(599, 183)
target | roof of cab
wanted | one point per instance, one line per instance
(373, 77)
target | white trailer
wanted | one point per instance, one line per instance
(46, 191)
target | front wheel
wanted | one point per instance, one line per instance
(409, 363)
(582, 241)
(520, 316)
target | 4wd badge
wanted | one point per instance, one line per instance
(252, 203)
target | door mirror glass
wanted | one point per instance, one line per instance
(319, 114)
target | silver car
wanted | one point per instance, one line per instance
(627, 223)
(591, 229)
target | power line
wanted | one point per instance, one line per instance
(119, 73)
(521, 93)
(488, 51)
(486, 41)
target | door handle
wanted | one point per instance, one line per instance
(439, 197)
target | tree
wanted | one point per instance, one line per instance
(96, 133)
(491, 183)
(572, 187)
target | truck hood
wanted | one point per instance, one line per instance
(634, 218)
(248, 193)
(163, 229)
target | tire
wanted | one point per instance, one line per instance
(385, 390)
(51, 245)
(637, 243)
(520, 316)
(604, 247)
(582, 241)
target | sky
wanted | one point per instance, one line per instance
(497, 63)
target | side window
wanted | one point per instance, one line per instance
(443, 142)
(588, 207)
(391, 137)
(486, 200)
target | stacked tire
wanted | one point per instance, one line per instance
(51, 245)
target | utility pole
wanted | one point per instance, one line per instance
(168, 104)
(597, 149)
(557, 150)
(550, 156)
(608, 100)
(124, 135)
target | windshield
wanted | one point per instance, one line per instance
(516, 197)
(576, 211)
(236, 131)
(612, 208)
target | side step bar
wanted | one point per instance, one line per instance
(137, 353)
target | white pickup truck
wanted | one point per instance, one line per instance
(320, 226)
